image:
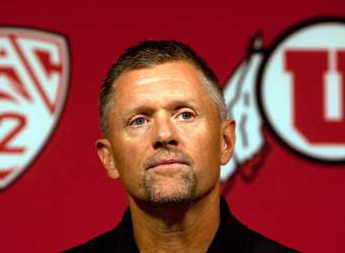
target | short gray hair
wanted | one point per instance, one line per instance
(151, 53)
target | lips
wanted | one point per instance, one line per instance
(168, 159)
(167, 162)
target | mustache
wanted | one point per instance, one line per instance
(167, 153)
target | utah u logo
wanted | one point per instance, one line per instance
(296, 88)
(318, 75)
(34, 72)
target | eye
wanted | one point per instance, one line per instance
(138, 121)
(186, 115)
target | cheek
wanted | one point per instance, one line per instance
(129, 166)
(204, 144)
(128, 156)
(208, 138)
(207, 165)
(128, 147)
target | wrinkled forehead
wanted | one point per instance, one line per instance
(166, 86)
(174, 70)
(174, 77)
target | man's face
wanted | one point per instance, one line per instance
(166, 140)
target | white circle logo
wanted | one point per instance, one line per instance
(301, 90)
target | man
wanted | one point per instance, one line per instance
(166, 133)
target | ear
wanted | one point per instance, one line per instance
(105, 155)
(227, 141)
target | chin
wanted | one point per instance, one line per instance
(170, 191)
(176, 198)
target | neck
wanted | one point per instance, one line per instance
(176, 228)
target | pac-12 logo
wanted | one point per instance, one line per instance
(34, 78)
(295, 88)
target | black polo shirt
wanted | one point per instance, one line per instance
(232, 236)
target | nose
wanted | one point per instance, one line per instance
(165, 133)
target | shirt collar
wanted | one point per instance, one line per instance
(230, 233)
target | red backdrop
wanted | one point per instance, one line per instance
(65, 197)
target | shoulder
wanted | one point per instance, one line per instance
(244, 239)
(233, 234)
(120, 239)
(261, 244)
(97, 244)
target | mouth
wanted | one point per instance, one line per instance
(167, 164)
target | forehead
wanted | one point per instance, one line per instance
(162, 83)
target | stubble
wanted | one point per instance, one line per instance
(180, 190)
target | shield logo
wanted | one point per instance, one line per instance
(34, 79)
